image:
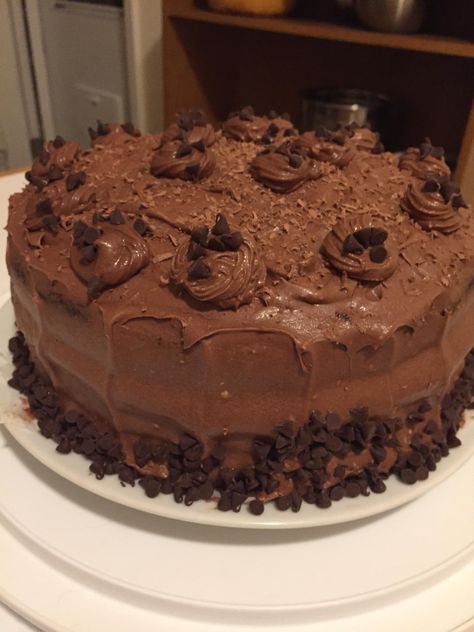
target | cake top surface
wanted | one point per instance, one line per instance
(321, 235)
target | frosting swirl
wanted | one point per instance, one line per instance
(363, 138)
(108, 256)
(362, 250)
(228, 277)
(112, 133)
(245, 126)
(283, 169)
(191, 127)
(434, 206)
(424, 162)
(328, 147)
(176, 159)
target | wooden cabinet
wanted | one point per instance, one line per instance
(221, 62)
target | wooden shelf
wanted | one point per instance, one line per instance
(437, 44)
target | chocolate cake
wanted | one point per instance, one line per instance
(248, 315)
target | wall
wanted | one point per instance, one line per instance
(14, 132)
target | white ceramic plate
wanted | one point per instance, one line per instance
(75, 468)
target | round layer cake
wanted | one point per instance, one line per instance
(244, 313)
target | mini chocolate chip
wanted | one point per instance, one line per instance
(43, 157)
(378, 486)
(103, 128)
(336, 492)
(322, 500)
(333, 422)
(92, 133)
(116, 217)
(78, 229)
(378, 148)
(378, 454)
(437, 152)
(247, 113)
(151, 485)
(55, 173)
(195, 251)
(88, 254)
(415, 459)
(142, 227)
(199, 270)
(422, 473)
(221, 226)
(232, 241)
(183, 150)
(424, 407)
(290, 131)
(261, 449)
(200, 235)
(283, 502)
(458, 201)
(378, 236)
(128, 128)
(97, 468)
(64, 446)
(218, 452)
(193, 170)
(90, 234)
(224, 503)
(272, 114)
(44, 207)
(256, 507)
(199, 118)
(333, 444)
(352, 246)
(50, 222)
(430, 186)
(237, 499)
(36, 181)
(266, 139)
(272, 129)
(95, 286)
(75, 180)
(378, 254)
(352, 489)
(340, 471)
(200, 145)
(294, 160)
(408, 476)
(363, 236)
(216, 243)
(58, 142)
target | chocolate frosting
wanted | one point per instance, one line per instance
(430, 210)
(325, 149)
(177, 159)
(246, 126)
(119, 254)
(113, 134)
(191, 127)
(282, 170)
(360, 264)
(363, 138)
(234, 276)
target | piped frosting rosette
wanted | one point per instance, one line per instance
(361, 248)
(434, 205)
(425, 161)
(219, 266)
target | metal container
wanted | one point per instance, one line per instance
(391, 16)
(330, 107)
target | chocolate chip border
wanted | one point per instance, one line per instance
(193, 476)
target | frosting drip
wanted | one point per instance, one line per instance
(177, 159)
(361, 249)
